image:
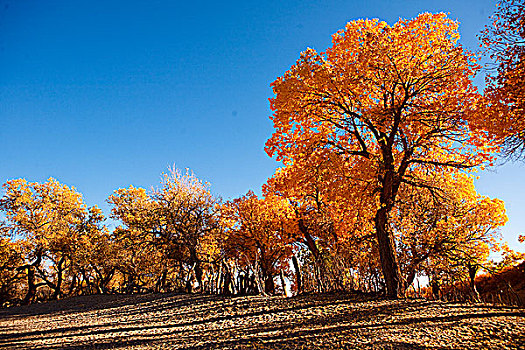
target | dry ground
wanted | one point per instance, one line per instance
(171, 321)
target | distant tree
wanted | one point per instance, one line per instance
(447, 226)
(48, 220)
(94, 263)
(173, 223)
(260, 233)
(504, 41)
(332, 215)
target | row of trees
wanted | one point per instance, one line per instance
(379, 136)
(179, 237)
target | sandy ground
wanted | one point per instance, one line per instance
(174, 321)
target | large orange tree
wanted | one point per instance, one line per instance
(390, 102)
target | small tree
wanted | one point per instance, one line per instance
(260, 233)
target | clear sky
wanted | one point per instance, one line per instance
(104, 94)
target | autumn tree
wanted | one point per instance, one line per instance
(332, 216)
(11, 276)
(95, 259)
(173, 223)
(260, 233)
(446, 228)
(391, 102)
(504, 41)
(48, 219)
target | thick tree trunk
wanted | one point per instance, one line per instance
(31, 286)
(226, 280)
(253, 289)
(60, 276)
(269, 285)
(434, 285)
(472, 270)
(385, 238)
(387, 255)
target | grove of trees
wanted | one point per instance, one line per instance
(379, 137)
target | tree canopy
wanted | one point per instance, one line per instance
(392, 102)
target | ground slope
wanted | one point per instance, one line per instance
(170, 321)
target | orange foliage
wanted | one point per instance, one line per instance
(504, 41)
(50, 222)
(390, 102)
(173, 225)
(260, 234)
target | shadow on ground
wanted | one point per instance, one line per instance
(347, 321)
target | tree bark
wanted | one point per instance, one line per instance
(227, 278)
(60, 276)
(298, 277)
(31, 286)
(269, 285)
(472, 270)
(385, 238)
(434, 285)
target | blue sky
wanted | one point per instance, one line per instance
(104, 94)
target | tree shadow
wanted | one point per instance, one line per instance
(250, 323)
(87, 303)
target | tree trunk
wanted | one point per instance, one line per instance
(320, 269)
(387, 254)
(283, 284)
(60, 276)
(298, 278)
(385, 238)
(189, 285)
(218, 281)
(72, 285)
(269, 285)
(31, 286)
(197, 269)
(472, 270)
(434, 285)
(410, 278)
(227, 281)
